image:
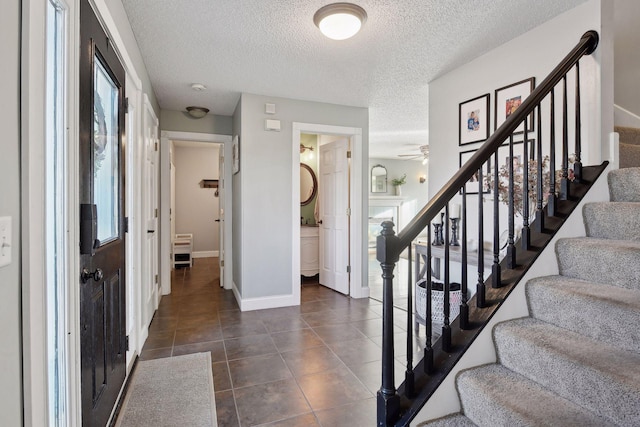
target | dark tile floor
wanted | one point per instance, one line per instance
(317, 364)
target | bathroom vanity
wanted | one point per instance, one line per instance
(309, 250)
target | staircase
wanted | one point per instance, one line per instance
(629, 146)
(576, 359)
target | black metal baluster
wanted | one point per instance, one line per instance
(564, 183)
(480, 287)
(428, 348)
(539, 221)
(446, 328)
(464, 307)
(496, 271)
(409, 377)
(526, 232)
(577, 165)
(388, 400)
(511, 248)
(553, 198)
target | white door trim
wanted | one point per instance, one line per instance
(359, 287)
(165, 202)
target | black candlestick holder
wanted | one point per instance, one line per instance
(454, 232)
(437, 232)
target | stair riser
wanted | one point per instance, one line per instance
(611, 319)
(609, 394)
(624, 185)
(591, 260)
(620, 220)
(491, 399)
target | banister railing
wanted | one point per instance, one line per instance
(390, 246)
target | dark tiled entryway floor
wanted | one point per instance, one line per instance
(317, 364)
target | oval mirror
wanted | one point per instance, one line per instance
(378, 179)
(308, 184)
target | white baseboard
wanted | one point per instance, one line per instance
(262, 303)
(205, 254)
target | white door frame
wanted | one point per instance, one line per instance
(357, 246)
(165, 202)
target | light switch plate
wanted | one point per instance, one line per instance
(5, 241)
(270, 108)
(273, 125)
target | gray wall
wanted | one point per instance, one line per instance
(265, 168)
(179, 121)
(627, 60)
(197, 207)
(10, 350)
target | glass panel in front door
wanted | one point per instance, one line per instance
(105, 154)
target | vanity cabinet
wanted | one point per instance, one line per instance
(309, 251)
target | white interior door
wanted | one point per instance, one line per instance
(221, 213)
(334, 215)
(150, 293)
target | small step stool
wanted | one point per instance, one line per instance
(182, 248)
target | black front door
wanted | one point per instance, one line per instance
(102, 233)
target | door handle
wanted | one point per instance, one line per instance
(320, 222)
(151, 231)
(96, 275)
(217, 220)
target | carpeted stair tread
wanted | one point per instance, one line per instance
(611, 313)
(589, 373)
(455, 420)
(628, 135)
(493, 395)
(624, 185)
(614, 262)
(612, 220)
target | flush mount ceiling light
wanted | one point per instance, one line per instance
(197, 112)
(198, 87)
(340, 21)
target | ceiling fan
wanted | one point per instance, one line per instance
(424, 155)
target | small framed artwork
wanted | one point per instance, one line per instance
(235, 153)
(509, 98)
(472, 186)
(473, 120)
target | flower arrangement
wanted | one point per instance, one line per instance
(399, 181)
(518, 185)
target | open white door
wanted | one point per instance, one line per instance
(150, 292)
(220, 219)
(334, 215)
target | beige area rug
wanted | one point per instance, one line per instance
(175, 391)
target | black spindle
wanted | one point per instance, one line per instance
(409, 377)
(564, 183)
(539, 222)
(552, 199)
(511, 248)
(428, 347)
(526, 232)
(464, 307)
(577, 165)
(496, 273)
(446, 328)
(480, 287)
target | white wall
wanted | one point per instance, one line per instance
(534, 54)
(10, 354)
(197, 207)
(265, 187)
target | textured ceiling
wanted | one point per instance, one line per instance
(271, 47)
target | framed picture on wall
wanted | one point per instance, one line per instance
(472, 186)
(235, 153)
(509, 98)
(473, 120)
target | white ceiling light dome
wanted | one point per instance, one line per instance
(340, 21)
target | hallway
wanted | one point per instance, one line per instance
(317, 364)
